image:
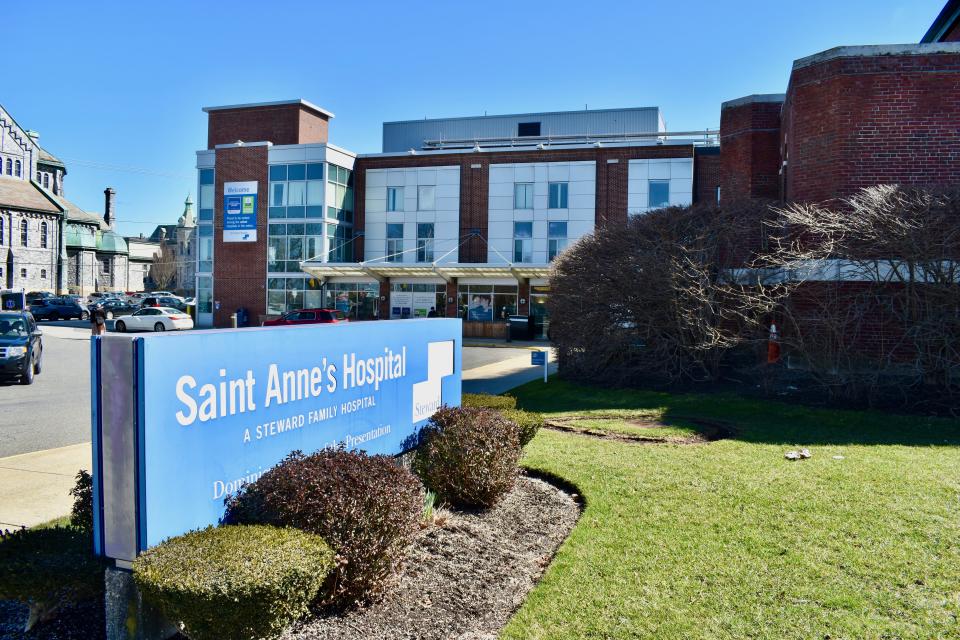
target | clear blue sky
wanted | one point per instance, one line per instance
(121, 84)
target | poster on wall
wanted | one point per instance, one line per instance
(240, 211)
(480, 309)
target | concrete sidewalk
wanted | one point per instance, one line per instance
(502, 376)
(34, 487)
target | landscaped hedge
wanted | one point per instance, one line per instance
(528, 423)
(468, 455)
(81, 514)
(46, 567)
(367, 508)
(488, 401)
(234, 582)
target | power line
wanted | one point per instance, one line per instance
(104, 166)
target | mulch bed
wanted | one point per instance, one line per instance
(465, 579)
(462, 580)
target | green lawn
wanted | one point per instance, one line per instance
(729, 540)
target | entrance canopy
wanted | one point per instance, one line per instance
(450, 271)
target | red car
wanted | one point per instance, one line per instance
(308, 316)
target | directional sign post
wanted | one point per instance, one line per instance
(540, 357)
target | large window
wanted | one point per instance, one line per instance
(23, 232)
(296, 191)
(340, 238)
(357, 300)
(205, 264)
(339, 194)
(205, 294)
(485, 302)
(205, 197)
(394, 198)
(417, 300)
(290, 294)
(291, 242)
(43, 235)
(659, 193)
(523, 242)
(426, 197)
(523, 195)
(394, 242)
(425, 242)
(556, 238)
(558, 195)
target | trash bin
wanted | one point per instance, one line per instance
(243, 317)
(521, 327)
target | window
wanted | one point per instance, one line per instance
(394, 242)
(523, 195)
(43, 274)
(523, 242)
(484, 302)
(556, 238)
(1, 230)
(527, 129)
(288, 244)
(23, 232)
(9, 167)
(43, 235)
(205, 203)
(23, 273)
(340, 194)
(205, 233)
(426, 197)
(295, 191)
(659, 193)
(394, 198)
(16, 168)
(558, 195)
(425, 242)
(46, 180)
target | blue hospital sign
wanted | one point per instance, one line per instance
(183, 420)
(240, 211)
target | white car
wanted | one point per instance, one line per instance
(154, 319)
(161, 294)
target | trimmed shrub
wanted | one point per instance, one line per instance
(469, 455)
(48, 567)
(81, 515)
(367, 508)
(488, 401)
(234, 582)
(528, 423)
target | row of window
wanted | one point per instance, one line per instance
(523, 240)
(25, 233)
(426, 198)
(23, 273)
(14, 168)
(425, 236)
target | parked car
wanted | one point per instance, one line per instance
(164, 301)
(38, 295)
(99, 296)
(115, 308)
(154, 319)
(58, 309)
(190, 301)
(21, 346)
(160, 294)
(308, 316)
(138, 297)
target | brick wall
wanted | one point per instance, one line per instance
(706, 174)
(279, 124)
(750, 148)
(862, 120)
(240, 268)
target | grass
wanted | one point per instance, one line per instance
(730, 540)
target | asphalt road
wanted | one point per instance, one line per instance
(55, 410)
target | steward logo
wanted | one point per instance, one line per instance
(427, 395)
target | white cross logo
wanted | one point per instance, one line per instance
(427, 395)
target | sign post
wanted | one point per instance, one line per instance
(540, 356)
(180, 421)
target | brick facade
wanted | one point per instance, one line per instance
(240, 268)
(706, 174)
(280, 124)
(853, 121)
(750, 148)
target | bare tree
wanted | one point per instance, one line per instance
(163, 270)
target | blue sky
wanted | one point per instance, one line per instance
(115, 88)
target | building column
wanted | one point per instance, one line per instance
(523, 297)
(451, 301)
(383, 300)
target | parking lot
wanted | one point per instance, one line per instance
(55, 410)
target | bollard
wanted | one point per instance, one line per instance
(233, 320)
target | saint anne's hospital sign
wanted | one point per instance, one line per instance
(182, 420)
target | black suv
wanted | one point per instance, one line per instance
(21, 346)
(58, 309)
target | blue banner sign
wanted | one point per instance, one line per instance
(538, 357)
(240, 211)
(183, 420)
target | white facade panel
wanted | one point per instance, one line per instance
(580, 178)
(677, 171)
(445, 216)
